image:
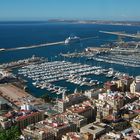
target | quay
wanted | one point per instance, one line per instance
(21, 63)
(87, 52)
(16, 96)
(97, 49)
(74, 55)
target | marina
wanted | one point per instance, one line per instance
(118, 59)
(56, 71)
(119, 55)
(83, 81)
(44, 75)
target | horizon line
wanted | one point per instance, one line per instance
(65, 19)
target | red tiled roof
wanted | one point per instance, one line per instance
(137, 111)
(80, 109)
(26, 116)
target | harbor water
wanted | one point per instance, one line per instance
(20, 34)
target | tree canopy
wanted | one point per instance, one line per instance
(11, 134)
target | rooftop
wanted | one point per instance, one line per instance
(78, 108)
(74, 136)
(73, 96)
(21, 115)
(94, 127)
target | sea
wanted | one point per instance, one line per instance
(20, 34)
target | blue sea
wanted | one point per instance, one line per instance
(18, 34)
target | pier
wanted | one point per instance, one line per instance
(32, 46)
(121, 34)
(40, 45)
(22, 62)
(91, 51)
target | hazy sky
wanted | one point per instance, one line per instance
(73, 9)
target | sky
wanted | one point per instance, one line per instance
(70, 9)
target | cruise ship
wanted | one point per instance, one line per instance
(2, 49)
(72, 39)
